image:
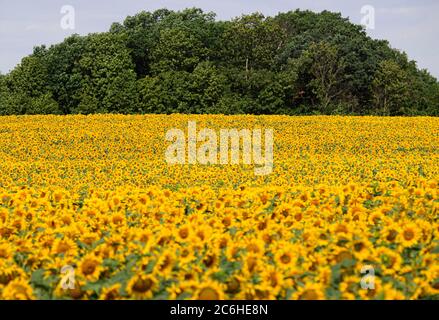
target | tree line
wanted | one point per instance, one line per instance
(298, 62)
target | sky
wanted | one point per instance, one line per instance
(410, 26)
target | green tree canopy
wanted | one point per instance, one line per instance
(297, 62)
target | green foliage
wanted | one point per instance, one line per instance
(108, 80)
(182, 91)
(25, 90)
(298, 62)
(62, 64)
(327, 70)
(176, 50)
(251, 42)
(390, 88)
(5, 96)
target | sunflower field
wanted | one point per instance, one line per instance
(96, 194)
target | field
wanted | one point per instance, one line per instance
(95, 193)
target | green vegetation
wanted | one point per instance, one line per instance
(297, 62)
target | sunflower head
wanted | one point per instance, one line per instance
(90, 267)
(111, 292)
(142, 286)
(409, 235)
(210, 290)
(310, 291)
(18, 289)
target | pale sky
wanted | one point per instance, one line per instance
(411, 26)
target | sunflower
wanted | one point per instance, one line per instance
(115, 203)
(426, 229)
(185, 254)
(89, 238)
(390, 232)
(17, 289)
(325, 274)
(273, 279)
(219, 205)
(263, 292)
(111, 292)
(203, 233)
(9, 272)
(90, 267)
(184, 289)
(142, 286)
(254, 245)
(117, 219)
(66, 246)
(5, 250)
(361, 249)
(77, 293)
(342, 231)
(189, 272)
(142, 235)
(340, 254)
(391, 293)
(221, 241)
(209, 290)
(174, 291)
(432, 280)
(311, 291)
(183, 233)
(166, 262)
(323, 237)
(349, 287)
(376, 217)
(390, 260)
(252, 263)
(234, 285)
(283, 210)
(371, 294)
(429, 259)
(200, 207)
(57, 195)
(211, 259)
(285, 257)
(409, 235)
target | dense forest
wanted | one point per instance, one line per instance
(299, 62)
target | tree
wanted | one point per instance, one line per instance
(176, 50)
(106, 73)
(390, 88)
(141, 33)
(168, 92)
(208, 85)
(176, 31)
(298, 62)
(327, 70)
(64, 79)
(423, 94)
(183, 92)
(251, 42)
(28, 87)
(5, 96)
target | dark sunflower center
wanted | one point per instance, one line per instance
(285, 258)
(409, 235)
(142, 285)
(208, 294)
